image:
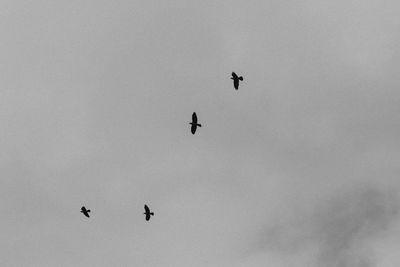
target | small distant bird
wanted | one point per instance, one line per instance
(194, 123)
(85, 211)
(147, 212)
(236, 79)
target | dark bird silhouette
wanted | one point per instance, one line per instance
(236, 79)
(147, 212)
(85, 211)
(194, 123)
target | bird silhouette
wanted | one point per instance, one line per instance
(85, 211)
(194, 123)
(147, 212)
(236, 79)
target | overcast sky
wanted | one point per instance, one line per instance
(299, 167)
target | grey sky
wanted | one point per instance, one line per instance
(297, 168)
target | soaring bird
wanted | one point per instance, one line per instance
(85, 211)
(194, 123)
(147, 212)
(236, 79)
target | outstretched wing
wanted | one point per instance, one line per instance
(194, 118)
(193, 128)
(234, 76)
(236, 83)
(147, 216)
(146, 209)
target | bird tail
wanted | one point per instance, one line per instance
(199, 125)
(88, 210)
(152, 213)
(241, 78)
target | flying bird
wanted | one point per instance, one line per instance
(85, 211)
(194, 123)
(236, 79)
(147, 212)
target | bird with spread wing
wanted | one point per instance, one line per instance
(85, 211)
(236, 80)
(194, 123)
(147, 212)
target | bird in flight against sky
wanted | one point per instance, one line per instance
(85, 211)
(236, 79)
(194, 123)
(147, 212)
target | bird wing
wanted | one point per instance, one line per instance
(85, 212)
(236, 84)
(147, 210)
(193, 128)
(234, 75)
(147, 216)
(194, 118)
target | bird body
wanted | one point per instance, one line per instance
(85, 211)
(236, 80)
(194, 123)
(147, 212)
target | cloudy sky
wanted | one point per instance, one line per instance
(300, 167)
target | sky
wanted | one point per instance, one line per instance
(299, 167)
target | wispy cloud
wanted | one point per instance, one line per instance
(337, 232)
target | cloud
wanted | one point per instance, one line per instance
(337, 232)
